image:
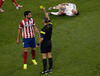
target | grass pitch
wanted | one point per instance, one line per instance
(76, 40)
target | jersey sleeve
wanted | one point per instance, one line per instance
(43, 33)
(20, 25)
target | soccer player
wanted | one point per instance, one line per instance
(27, 26)
(1, 3)
(16, 4)
(46, 45)
(68, 9)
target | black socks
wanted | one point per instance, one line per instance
(50, 60)
(50, 63)
(44, 64)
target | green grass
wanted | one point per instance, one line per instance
(76, 40)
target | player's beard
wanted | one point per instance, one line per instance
(29, 18)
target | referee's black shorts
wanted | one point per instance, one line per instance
(46, 46)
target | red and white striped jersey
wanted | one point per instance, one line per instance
(27, 28)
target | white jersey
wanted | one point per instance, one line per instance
(68, 10)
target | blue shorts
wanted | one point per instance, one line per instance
(29, 42)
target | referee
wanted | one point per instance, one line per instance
(46, 45)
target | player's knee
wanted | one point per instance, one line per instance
(44, 56)
(33, 49)
(49, 55)
(25, 49)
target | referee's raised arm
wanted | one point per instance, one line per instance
(46, 14)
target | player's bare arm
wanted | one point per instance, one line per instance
(18, 36)
(66, 3)
(36, 29)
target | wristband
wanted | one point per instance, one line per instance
(38, 44)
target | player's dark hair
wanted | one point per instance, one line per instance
(26, 13)
(46, 20)
(77, 13)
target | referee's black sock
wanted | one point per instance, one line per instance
(44, 64)
(50, 63)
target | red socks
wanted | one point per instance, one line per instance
(25, 57)
(1, 2)
(15, 3)
(33, 54)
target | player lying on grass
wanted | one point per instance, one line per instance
(27, 26)
(46, 43)
(14, 2)
(68, 9)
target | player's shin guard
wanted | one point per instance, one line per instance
(50, 63)
(44, 64)
(25, 57)
(15, 3)
(54, 13)
(33, 54)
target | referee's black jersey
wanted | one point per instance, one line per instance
(46, 32)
